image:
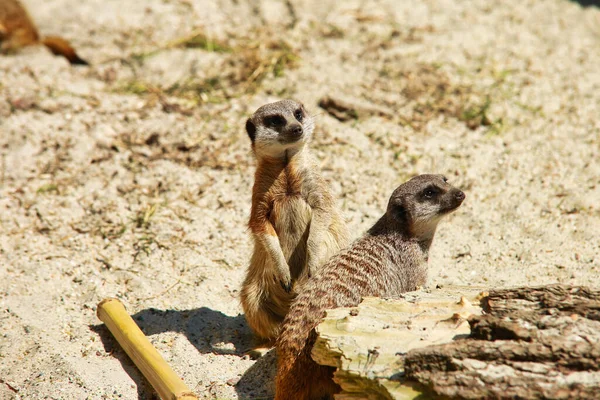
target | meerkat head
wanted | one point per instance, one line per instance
(278, 127)
(420, 204)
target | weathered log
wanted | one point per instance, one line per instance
(534, 343)
(546, 299)
(524, 343)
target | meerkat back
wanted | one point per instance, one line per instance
(16, 27)
(390, 259)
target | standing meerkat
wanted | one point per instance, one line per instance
(390, 259)
(294, 220)
(18, 30)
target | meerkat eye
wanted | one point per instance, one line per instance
(430, 192)
(298, 114)
(445, 179)
(274, 121)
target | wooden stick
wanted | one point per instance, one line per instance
(137, 346)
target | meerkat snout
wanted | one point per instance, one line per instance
(294, 131)
(459, 195)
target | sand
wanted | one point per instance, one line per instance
(132, 178)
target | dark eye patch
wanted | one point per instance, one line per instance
(430, 192)
(274, 121)
(299, 115)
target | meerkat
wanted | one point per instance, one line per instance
(390, 259)
(294, 220)
(18, 30)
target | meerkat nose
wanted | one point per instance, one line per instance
(459, 195)
(296, 130)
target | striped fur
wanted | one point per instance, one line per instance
(387, 261)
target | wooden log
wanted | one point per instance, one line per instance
(523, 343)
(368, 343)
(137, 346)
(534, 343)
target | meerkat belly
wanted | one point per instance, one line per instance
(291, 218)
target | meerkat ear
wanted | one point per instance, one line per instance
(400, 212)
(251, 129)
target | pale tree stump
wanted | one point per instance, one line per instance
(465, 343)
(368, 343)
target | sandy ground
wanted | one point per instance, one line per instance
(131, 178)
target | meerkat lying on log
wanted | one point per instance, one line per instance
(390, 259)
(294, 220)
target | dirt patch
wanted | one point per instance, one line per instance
(243, 62)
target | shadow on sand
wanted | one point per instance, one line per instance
(587, 3)
(209, 331)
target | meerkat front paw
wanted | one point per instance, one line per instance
(285, 280)
(286, 284)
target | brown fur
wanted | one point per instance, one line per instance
(294, 221)
(17, 30)
(391, 258)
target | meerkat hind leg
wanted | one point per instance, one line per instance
(260, 348)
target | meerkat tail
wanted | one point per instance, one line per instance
(303, 378)
(60, 47)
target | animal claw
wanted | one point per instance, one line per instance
(287, 286)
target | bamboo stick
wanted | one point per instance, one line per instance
(137, 346)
